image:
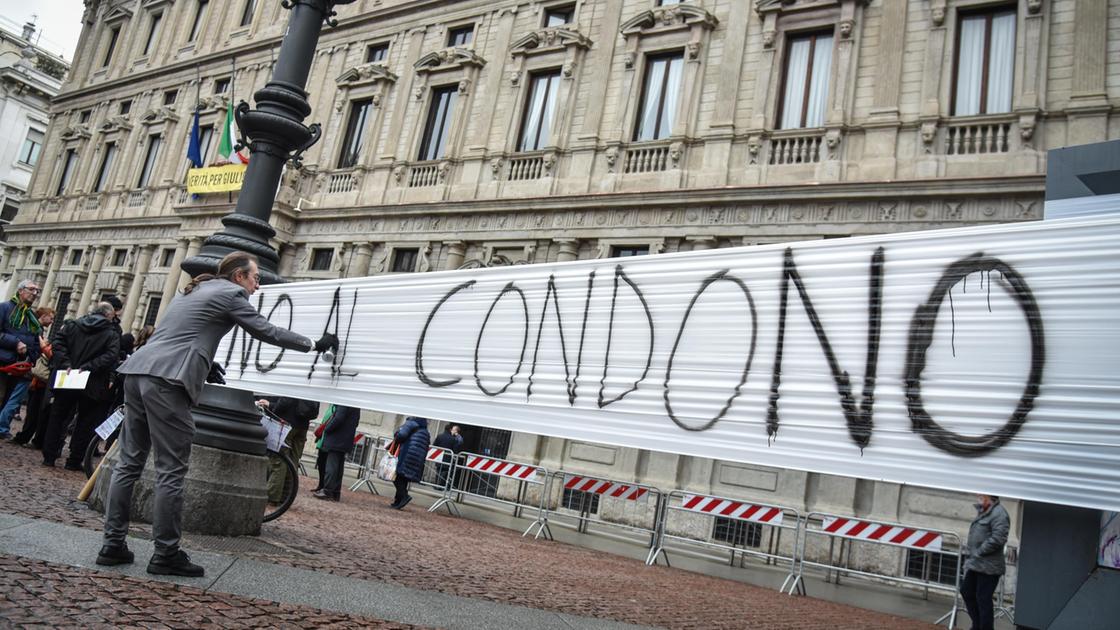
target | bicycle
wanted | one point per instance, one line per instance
(95, 452)
(291, 478)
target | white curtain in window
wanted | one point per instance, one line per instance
(797, 65)
(1001, 66)
(818, 82)
(655, 78)
(970, 65)
(549, 108)
(533, 116)
(672, 97)
(443, 126)
(538, 117)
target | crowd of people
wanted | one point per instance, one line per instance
(34, 348)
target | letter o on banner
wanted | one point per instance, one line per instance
(921, 336)
(709, 281)
(509, 288)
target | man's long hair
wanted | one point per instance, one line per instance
(231, 264)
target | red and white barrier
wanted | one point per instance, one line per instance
(887, 534)
(613, 489)
(717, 506)
(434, 453)
(504, 469)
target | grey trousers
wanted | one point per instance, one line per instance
(157, 418)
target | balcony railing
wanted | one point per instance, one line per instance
(342, 183)
(423, 175)
(647, 159)
(137, 198)
(93, 202)
(978, 137)
(527, 167)
(802, 148)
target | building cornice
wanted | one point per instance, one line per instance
(359, 22)
(972, 187)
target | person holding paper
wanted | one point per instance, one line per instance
(19, 340)
(165, 379)
(85, 348)
(298, 414)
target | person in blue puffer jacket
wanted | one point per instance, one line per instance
(414, 439)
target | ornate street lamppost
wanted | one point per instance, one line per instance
(276, 134)
(224, 493)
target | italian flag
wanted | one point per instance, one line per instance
(229, 140)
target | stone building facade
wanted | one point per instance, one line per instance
(483, 132)
(29, 77)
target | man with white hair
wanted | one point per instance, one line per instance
(19, 339)
(92, 344)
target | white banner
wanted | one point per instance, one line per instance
(982, 359)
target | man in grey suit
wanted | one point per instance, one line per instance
(164, 379)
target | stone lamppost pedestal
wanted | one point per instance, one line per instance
(224, 492)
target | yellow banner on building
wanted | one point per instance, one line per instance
(215, 178)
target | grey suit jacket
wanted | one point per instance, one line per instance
(183, 346)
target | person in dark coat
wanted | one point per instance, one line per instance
(337, 440)
(19, 342)
(414, 439)
(91, 344)
(451, 440)
(983, 562)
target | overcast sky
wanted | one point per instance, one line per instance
(59, 22)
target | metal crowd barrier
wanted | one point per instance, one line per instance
(774, 519)
(470, 463)
(613, 497)
(849, 530)
(373, 448)
(1005, 606)
(439, 473)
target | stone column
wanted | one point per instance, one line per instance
(91, 280)
(359, 261)
(193, 247)
(456, 252)
(52, 275)
(287, 257)
(700, 243)
(139, 274)
(171, 284)
(1088, 107)
(569, 249)
(13, 281)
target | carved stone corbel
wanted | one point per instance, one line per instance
(929, 134)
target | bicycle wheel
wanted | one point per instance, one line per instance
(95, 452)
(291, 487)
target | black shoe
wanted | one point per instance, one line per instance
(49, 463)
(404, 502)
(110, 556)
(324, 495)
(178, 563)
(70, 466)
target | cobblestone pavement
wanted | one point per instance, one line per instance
(41, 594)
(360, 537)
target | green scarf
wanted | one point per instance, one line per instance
(327, 417)
(22, 314)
